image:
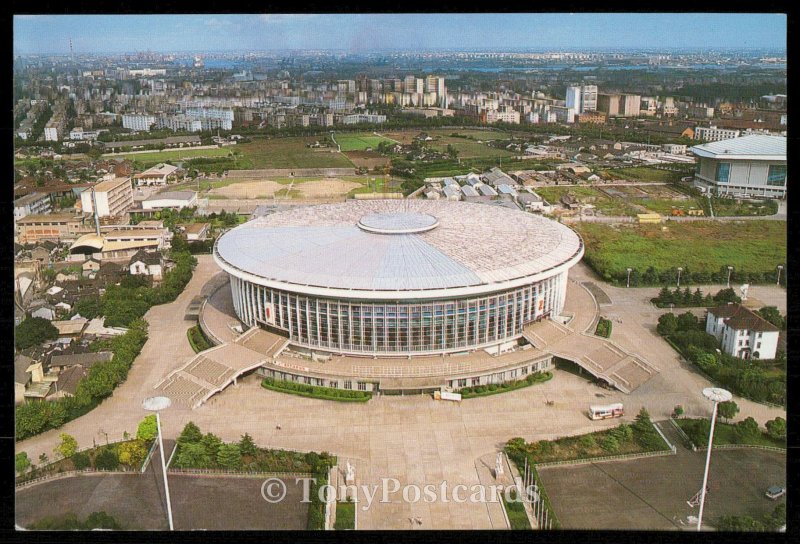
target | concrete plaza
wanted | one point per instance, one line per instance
(415, 439)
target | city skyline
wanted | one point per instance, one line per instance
(361, 33)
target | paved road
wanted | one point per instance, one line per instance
(415, 439)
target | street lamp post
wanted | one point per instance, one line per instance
(680, 269)
(156, 404)
(716, 395)
(778, 283)
(730, 269)
(628, 284)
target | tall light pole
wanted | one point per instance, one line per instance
(156, 404)
(716, 395)
(778, 283)
(628, 284)
(680, 269)
(730, 269)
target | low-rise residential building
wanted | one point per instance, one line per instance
(114, 197)
(146, 263)
(56, 227)
(196, 232)
(750, 166)
(31, 204)
(714, 134)
(159, 174)
(742, 332)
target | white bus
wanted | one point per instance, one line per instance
(605, 412)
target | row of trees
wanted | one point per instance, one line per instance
(653, 277)
(755, 379)
(687, 298)
(33, 418)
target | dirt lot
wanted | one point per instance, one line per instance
(651, 493)
(327, 187)
(367, 159)
(322, 188)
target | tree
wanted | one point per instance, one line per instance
(190, 434)
(21, 463)
(610, 444)
(664, 296)
(746, 430)
(212, 444)
(107, 460)
(67, 447)
(229, 456)
(667, 324)
(81, 461)
(771, 314)
(776, 428)
(33, 331)
(132, 453)
(697, 297)
(247, 446)
(687, 321)
(192, 455)
(728, 410)
(148, 428)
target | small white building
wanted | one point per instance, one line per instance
(173, 200)
(743, 333)
(147, 263)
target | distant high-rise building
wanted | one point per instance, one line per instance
(588, 98)
(581, 99)
(573, 98)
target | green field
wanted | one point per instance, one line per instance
(290, 153)
(359, 142)
(702, 247)
(148, 159)
(472, 133)
(469, 149)
(645, 174)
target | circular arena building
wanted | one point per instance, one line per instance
(398, 277)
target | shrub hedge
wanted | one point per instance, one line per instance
(316, 392)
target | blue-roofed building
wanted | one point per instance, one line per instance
(750, 166)
(506, 190)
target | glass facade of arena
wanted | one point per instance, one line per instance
(407, 327)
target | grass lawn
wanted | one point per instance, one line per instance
(664, 206)
(290, 153)
(705, 246)
(724, 433)
(345, 516)
(643, 173)
(515, 511)
(359, 142)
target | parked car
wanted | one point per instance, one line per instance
(775, 492)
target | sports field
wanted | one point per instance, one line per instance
(359, 142)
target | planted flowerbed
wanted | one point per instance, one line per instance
(495, 388)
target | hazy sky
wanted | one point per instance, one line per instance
(361, 33)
